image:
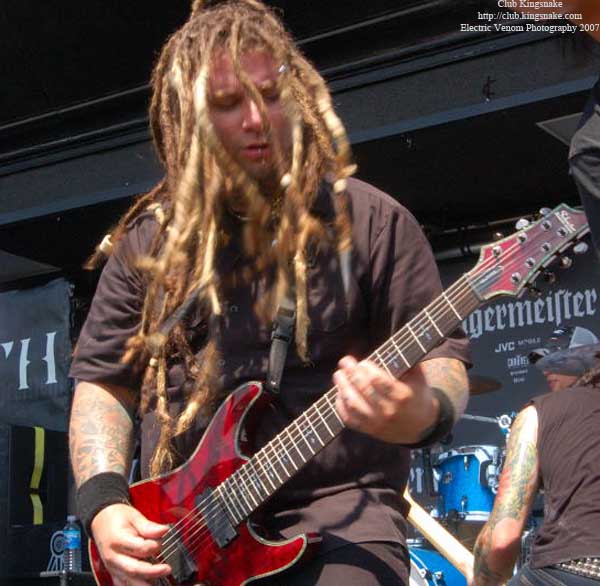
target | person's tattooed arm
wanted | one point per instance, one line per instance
(101, 430)
(498, 544)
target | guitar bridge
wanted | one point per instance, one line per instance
(182, 564)
(221, 529)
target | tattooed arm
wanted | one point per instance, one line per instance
(498, 544)
(101, 430)
(398, 411)
(101, 440)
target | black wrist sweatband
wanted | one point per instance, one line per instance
(97, 492)
(445, 421)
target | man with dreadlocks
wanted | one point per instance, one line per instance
(553, 445)
(257, 212)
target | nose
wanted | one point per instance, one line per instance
(252, 119)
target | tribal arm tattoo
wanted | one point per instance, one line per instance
(498, 543)
(450, 376)
(101, 430)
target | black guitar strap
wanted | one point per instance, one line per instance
(281, 336)
(285, 323)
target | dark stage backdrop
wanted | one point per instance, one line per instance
(502, 333)
(35, 350)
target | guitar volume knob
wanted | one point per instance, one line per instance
(515, 278)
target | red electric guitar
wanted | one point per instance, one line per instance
(208, 500)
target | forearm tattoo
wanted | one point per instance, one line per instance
(450, 376)
(518, 485)
(101, 433)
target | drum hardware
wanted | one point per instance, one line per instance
(466, 463)
(429, 568)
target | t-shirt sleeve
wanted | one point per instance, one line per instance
(405, 278)
(114, 315)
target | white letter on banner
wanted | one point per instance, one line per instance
(23, 364)
(49, 359)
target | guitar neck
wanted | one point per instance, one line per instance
(276, 462)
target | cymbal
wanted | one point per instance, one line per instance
(480, 385)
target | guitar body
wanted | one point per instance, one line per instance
(169, 498)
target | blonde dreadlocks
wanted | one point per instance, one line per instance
(190, 206)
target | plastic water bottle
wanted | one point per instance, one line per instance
(72, 550)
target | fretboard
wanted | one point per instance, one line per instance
(276, 462)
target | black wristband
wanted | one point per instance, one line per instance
(445, 421)
(97, 492)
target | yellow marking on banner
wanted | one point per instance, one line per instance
(36, 476)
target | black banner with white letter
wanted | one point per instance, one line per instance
(35, 352)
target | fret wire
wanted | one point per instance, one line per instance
(272, 466)
(287, 429)
(229, 510)
(434, 324)
(247, 487)
(331, 401)
(303, 436)
(265, 472)
(314, 429)
(255, 479)
(325, 423)
(289, 457)
(235, 492)
(408, 365)
(241, 490)
(415, 337)
(452, 306)
(382, 362)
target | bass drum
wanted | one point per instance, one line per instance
(430, 568)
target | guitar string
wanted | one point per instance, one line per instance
(378, 356)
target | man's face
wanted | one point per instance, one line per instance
(559, 382)
(236, 118)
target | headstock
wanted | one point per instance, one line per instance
(509, 265)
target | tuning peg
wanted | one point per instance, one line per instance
(534, 291)
(522, 223)
(581, 248)
(497, 236)
(566, 262)
(549, 277)
(545, 212)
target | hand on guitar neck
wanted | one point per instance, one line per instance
(372, 401)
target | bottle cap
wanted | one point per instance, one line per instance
(71, 518)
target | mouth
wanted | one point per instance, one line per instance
(257, 151)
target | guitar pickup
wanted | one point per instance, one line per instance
(221, 529)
